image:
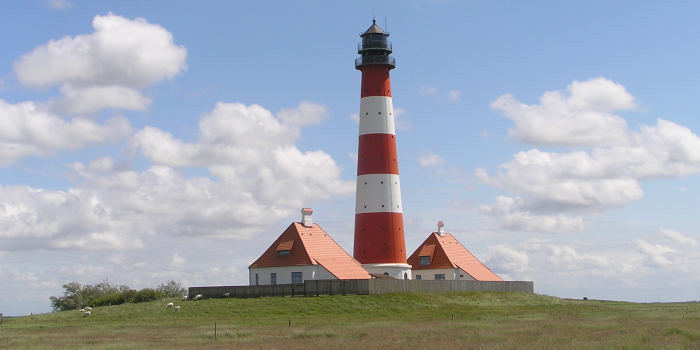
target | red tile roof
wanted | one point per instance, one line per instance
(311, 246)
(446, 253)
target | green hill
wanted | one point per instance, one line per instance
(393, 321)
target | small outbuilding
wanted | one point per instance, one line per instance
(304, 251)
(442, 257)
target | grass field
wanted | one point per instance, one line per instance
(394, 321)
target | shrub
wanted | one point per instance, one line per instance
(146, 294)
(109, 299)
(129, 295)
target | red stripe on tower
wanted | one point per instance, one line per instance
(379, 237)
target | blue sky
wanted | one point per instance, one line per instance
(557, 141)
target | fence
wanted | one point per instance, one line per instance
(373, 286)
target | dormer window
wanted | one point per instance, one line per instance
(425, 260)
(284, 248)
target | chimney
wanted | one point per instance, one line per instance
(306, 217)
(441, 228)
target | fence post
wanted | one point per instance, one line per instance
(0, 318)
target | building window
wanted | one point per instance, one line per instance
(283, 252)
(273, 278)
(439, 276)
(425, 260)
(418, 277)
(297, 278)
(257, 280)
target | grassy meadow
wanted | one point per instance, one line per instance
(392, 321)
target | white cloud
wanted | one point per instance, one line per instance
(656, 252)
(507, 259)
(177, 261)
(59, 4)
(90, 99)
(453, 95)
(608, 174)
(27, 130)
(430, 159)
(582, 118)
(543, 261)
(307, 113)
(259, 178)
(679, 237)
(427, 90)
(510, 212)
(105, 68)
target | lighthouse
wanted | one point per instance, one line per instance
(379, 231)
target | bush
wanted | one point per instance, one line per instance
(146, 294)
(77, 296)
(129, 295)
(109, 299)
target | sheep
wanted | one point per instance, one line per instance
(82, 310)
(87, 313)
(227, 295)
(87, 308)
(170, 305)
(198, 296)
(177, 308)
(184, 297)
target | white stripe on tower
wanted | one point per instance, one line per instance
(377, 115)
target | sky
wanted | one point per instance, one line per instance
(147, 141)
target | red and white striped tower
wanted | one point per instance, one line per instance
(379, 237)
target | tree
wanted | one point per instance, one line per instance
(77, 296)
(171, 289)
(71, 299)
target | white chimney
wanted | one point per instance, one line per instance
(441, 228)
(306, 217)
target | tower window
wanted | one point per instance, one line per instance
(418, 277)
(273, 278)
(283, 252)
(439, 276)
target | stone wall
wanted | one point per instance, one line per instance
(373, 286)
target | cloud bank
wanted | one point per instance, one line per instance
(606, 164)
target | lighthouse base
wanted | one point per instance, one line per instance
(395, 270)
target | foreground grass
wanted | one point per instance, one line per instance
(394, 321)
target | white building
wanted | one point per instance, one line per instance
(442, 257)
(304, 251)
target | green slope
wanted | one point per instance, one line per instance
(394, 321)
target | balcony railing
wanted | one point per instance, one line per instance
(374, 44)
(375, 59)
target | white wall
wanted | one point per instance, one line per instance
(284, 274)
(450, 274)
(395, 270)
